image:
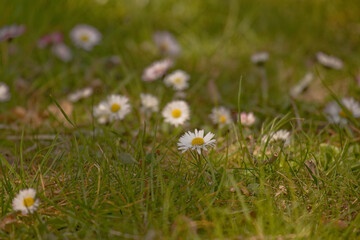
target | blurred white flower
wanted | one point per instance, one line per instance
(115, 107)
(49, 39)
(281, 135)
(176, 113)
(329, 61)
(4, 92)
(166, 43)
(12, 31)
(336, 114)
(149, 103)
(25, 201)
(302, 85)
(247, 119)
(196, 141)
(113, 61)
(221, 116)
(101, 112)
(156, 70)
(85, 36)
(62, 51)
(178, 80)
(80, 94)
(259, 58)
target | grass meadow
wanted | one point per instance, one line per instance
(125, 178)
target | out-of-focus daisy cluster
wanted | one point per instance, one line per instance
(7, 33)
(173, 110)
(178, 109)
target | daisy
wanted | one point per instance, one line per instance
(62, 51)
(166, 43)
(259, 58)
(279, 136)
(149, 103)
(4, 92)
(302, 85)
(247, 119)
(7, 33)
(49, 39)
(112, 61)
(221, 116)
(336, 114)
(115, 107)
(85, 36)
(196, 141)
(176, 113)
(25, 201)
(178, 80)
(156, 70)
(101, 112)
(80, 94)
(329, 61)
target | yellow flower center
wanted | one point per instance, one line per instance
(164, 47)
(222, 119)
(197, 141)
(178, 80)
(342, 114)
(84, 38)
(115, 107)
(176, 113)
(29, 201)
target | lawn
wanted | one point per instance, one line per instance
(275, 84)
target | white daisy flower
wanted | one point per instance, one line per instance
(80, 94)
(149, 103)
(259, 58)
(115, 107)
(302, 85)
(247, 119)
(178, 80)
(113, 61)
(176, 113)
(25, 201)
(156, 70)
(329, 61)
(336, 114)
(101, 112)
(196, 141)
(167, 43)
(9, 32)
(62, 51)
(49, 39)
(85, 36)
(221, 116)
(4, 92)
(281, 135)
